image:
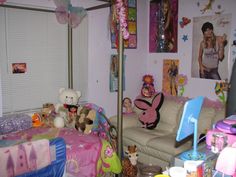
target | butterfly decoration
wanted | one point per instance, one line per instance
(2, 1)
(66, 13)
(208, 6)
(184, 22)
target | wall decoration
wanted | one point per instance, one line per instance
(210, 46)
(131, 41)
(114, 73)
(170, 72)
(181, 81)
(185, 37)
(66, 13)
(220, 88)
(207, 6)
(184, 22)
(18, 68)
(163, 26)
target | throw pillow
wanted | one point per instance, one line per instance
(150, 115)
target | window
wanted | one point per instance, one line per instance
(40, 44)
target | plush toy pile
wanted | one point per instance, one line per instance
(87, 119)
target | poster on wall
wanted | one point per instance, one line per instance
(163, 26)
(18, 68)
(170, 73)
(131, 42)
(114, 73)
(211, 47)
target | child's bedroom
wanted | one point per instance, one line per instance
(128, 88)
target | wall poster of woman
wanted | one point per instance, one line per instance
(163, 26)
(114, 73)
(211, 47)
(170, 72)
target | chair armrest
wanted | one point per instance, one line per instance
(130, 120)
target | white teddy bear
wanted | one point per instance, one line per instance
(69, 99)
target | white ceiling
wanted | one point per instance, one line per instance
(50, 4)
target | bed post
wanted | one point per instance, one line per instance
(120, 97)
(70, 58)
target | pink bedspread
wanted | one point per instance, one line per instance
(87, 155)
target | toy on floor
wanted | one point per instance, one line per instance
(129, 164)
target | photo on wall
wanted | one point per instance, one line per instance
(163, 26)
(19, 68)
(211, 47)
(170, 73)
(114, 73)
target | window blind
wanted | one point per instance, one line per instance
(39, 41)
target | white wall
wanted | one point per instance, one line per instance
(99, 52)
(195, 86)
(99, 59)
(140, 61)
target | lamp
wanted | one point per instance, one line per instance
(226, 162)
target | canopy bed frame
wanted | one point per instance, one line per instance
(70, 66)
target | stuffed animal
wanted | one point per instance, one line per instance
(150, 116)
(59, 122)
(48, 114)
(68, 100)
(84, 121)
(148, 89)
(129, 163)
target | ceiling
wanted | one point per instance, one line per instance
(50, 4)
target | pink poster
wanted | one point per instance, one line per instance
(163, 26)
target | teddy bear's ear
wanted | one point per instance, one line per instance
(78, 93)
(61, 90)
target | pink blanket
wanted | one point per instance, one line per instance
(83, 152)
(25, 157)
(87, 155)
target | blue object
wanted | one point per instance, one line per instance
(188, 126)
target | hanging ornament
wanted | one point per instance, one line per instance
(121, 13)
(67, 14)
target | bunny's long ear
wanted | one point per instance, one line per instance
(142, 104)
(158, 101)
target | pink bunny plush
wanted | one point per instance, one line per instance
(150, 116)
